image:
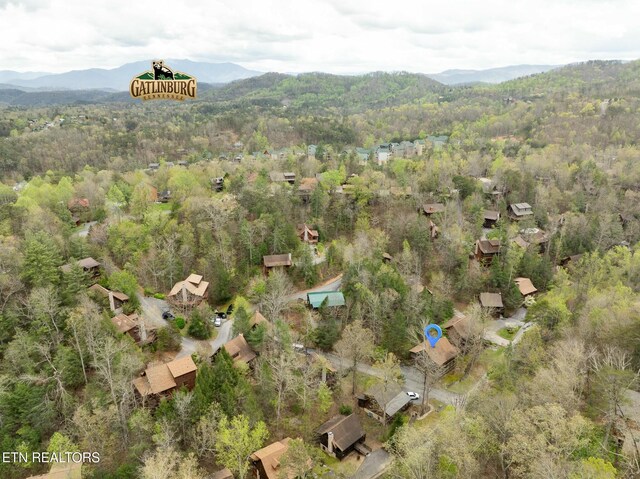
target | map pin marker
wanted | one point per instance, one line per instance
(432, 339)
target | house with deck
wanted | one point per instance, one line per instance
(492, 302)
(239, 350)
(341, 435)
(190, 292)
(520, 211)
(163, 379)
(485, 250)
(116, 298)
(307, 235)
(379, 402)
(442, 354)
(272, 261)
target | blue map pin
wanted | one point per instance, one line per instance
(432, 339)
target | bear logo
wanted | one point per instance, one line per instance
(161, 72)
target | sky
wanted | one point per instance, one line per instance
(336, 36)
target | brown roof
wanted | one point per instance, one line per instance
(124, 323)
(258, 318)
(142, 385)
(193, 284)
(491, 215)
(442, 352)
(491, 300)
(535, 235)
(308, 184)
(222, 474)
(519, 240)
(277, 260)
(488, 246)
(302, 228)
(346, 430)
(525, 286)
(182, 366)
(460, 323)
(270, 457)
(120, 296)
(88, 263)
(430, 208)
(160, 378)
(387, 256)
(239, 349)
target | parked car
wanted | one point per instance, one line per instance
(168, 316)
(217, 322)
(413, 396)
(221, 315)
(230, 309)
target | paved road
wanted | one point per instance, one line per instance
(331, 285)
(412, 379)
(373, 465)
(152, 309)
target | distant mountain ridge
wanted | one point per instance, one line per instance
(118, 78)
(490, 75)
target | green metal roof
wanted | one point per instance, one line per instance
(334, 298)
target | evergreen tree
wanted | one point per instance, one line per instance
(41, 260)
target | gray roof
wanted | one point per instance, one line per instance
(394, 398)
(346, 430)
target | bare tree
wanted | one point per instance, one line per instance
(355, 346)
(276, 295)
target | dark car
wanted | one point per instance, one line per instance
(230, 309)
(168, 315)
(221, 315)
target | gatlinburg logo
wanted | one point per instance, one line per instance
(162, 83)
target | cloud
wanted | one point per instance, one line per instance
(339, 36)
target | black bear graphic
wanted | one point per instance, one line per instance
(161, 72)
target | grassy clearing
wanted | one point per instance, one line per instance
(509, 332)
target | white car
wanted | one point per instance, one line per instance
(217, 322)
(413, 396)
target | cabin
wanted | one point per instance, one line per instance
(162, 380)
(520, 211)
(266, 461)
(491, 218)
(88, 265)
(154, 166)
(536, 237)
(280, 177)
(333, 298)
(492, 302)
(525, 286)
(341, 435)
(116, 298)
(307, 235)
(190, 292)
(387, 258)
(378, 403)
(458, 329)
(276, 261)
(239, 350)
(306, 188)
(486, 249)
(128, 324)
(442, 354)
(429, 209)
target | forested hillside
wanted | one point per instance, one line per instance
(225, 285)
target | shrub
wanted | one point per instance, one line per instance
(199, 328)
(148, 292)
(159, 296)
(180, 322)
(168, 339)
(345, 409)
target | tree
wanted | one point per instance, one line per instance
(41, 260)
(237, 440)
(199, 327)
(297, 461)
(167, 463)
(390, 374)
(282, 366)
(355, 346)
(217, 383)
(275, 294)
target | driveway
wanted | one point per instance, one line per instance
(84, 231)
(517, 319)
(373, 465)
(152, 309)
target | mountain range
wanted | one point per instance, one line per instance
(117, 79)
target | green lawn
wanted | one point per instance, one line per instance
(509, 332)
(160, 207)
